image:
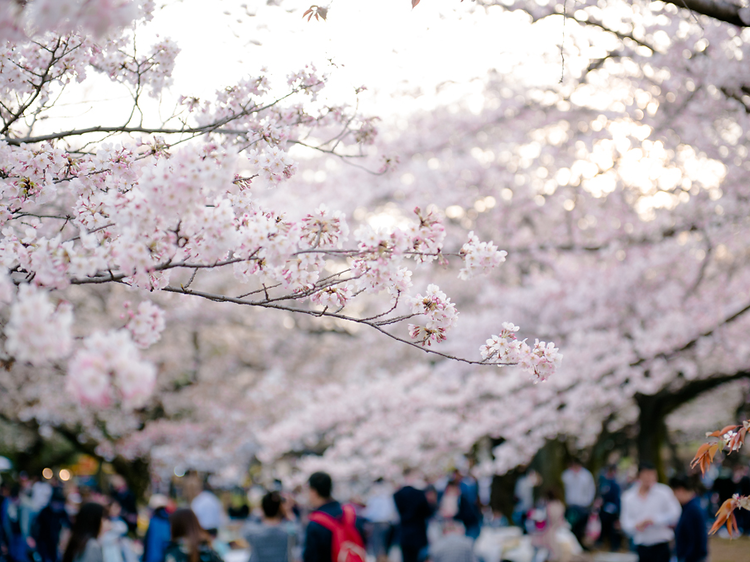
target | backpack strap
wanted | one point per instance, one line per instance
(327, 521)
(350, 516)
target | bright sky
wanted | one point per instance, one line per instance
(382, 44)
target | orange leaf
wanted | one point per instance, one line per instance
(414, 3)
(725, 515)
(712, 450)
(723, 431)
(701, 458)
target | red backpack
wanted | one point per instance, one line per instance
(347, 545)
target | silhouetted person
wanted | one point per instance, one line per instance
(83, 545)
(691, 538)
(414, 510)
(49, 524)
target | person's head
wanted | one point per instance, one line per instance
(57, 501)
(87, 526)
(272, 505)
(611, 471)
(575, 464)
(321, 486)
(683, 489)
(185, 527)
(114, 509)
(157, 502)
(118, 483)
(647, 475)
(453, 487)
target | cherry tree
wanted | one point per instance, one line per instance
(107, 226)
(621, 196)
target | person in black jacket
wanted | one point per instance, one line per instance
(48, 525)
(691, 537)
(415, 510)
(318, 539)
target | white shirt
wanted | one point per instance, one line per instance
(41, 493)
(380, 507)
(208, 510)
(659, 505)
(580, 488)
(525, 492)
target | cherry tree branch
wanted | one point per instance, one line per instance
(370, 322)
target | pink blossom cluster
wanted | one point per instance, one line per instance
(333, 297)
(479, 257)
(427, 236)
(107, 369)
(307, 80)
(146, 324)
(94, 16)
(323, 228)
(272, 163)
(38, 331)
(151, 70)
(504, 348)
(440, 312)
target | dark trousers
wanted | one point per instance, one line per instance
(410, 553)
(578, 516)
(654, 552)
(609, 531)
(413, 553)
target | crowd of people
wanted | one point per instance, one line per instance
(42, 521)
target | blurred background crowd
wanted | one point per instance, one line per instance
(620, 513)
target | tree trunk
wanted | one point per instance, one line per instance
(652, 432)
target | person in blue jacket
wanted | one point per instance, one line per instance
(10, 518)
(691, 537)
(159, 533)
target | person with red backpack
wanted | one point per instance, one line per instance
(334, 533)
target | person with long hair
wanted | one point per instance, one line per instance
(83, 545)
(190, 542)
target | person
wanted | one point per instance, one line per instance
(649, 511)
(469, 514)
(329, 516)
(381, 513)
(116, 546)
(269, 541)
(189, 541)
(546, 539)
(10, 518)
(580, 491)
(691, 537)
(208, 510)
(83, 544)
(414, 511)
(609, 511)
(158, 533)
(49, 525)
(453, 546)
(524, 497)
(126, 500)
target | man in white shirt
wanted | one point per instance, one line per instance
(649, 513)
(580, 491)
(208, 510)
